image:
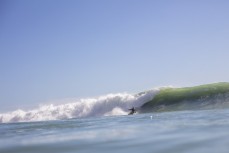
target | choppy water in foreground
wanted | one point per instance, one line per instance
(170, 132)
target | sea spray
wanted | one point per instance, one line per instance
(210, 96)
(108, 105)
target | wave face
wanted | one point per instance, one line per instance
(210, 96)
(111, 104)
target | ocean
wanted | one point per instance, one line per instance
(195, 120)
(168, 132)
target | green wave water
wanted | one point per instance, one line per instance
(204, 131)
(208, 96)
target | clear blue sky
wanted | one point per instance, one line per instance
(53, 49)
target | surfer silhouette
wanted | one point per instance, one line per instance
(132, 111)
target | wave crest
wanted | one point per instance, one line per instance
(108, 105)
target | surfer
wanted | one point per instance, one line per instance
(132, 111)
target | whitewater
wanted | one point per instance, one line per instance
(108, 105)
(174, 120)
(209, 96)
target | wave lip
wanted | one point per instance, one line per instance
(208, 96)
(108, 105)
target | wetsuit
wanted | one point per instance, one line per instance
(132, 111)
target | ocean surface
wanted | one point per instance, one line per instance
(168, 120)
(166, 132)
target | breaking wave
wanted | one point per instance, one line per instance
(108, 105)
(210, 96)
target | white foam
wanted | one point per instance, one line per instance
(108, 105)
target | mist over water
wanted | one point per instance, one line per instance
(211, 96)
(108, 105)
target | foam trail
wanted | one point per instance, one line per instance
(111, 104)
